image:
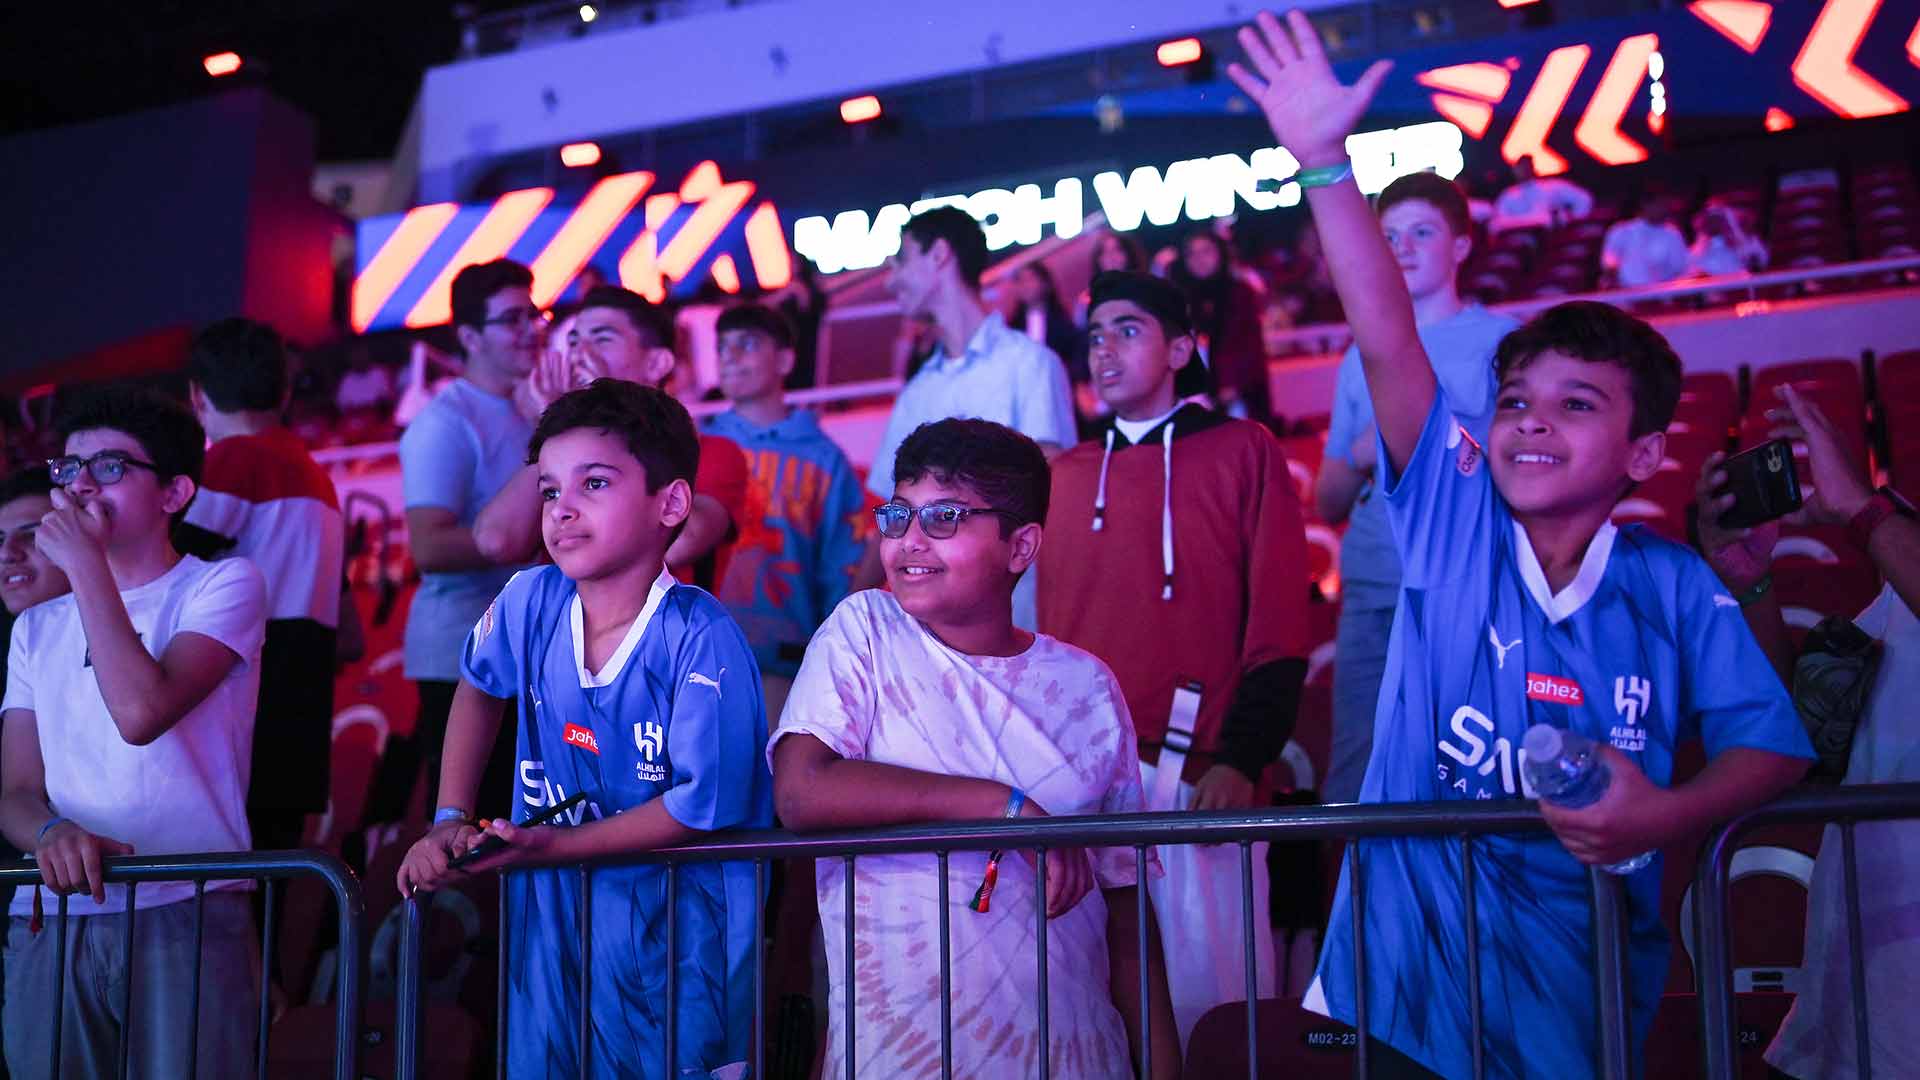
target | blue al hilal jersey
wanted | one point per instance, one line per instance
(1643, 649)
(674, 715)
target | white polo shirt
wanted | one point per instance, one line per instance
(1004, 376)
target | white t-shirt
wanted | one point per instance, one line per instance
(1540, 201)
(1643, 253)
(876, 686)
(1817, 1037)
(186, 791)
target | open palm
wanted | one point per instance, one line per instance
(1310, 112)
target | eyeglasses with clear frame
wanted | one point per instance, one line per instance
(106, 467)
(939, 520)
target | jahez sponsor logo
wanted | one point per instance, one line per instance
(1554, 691)
(575, 735)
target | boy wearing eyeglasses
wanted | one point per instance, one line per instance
(128, 729)
(804, 519)
(1182, 518)
(926, 703)
(639, 693)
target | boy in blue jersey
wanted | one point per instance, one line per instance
(641, 694)
(1520, 604)
(801, 538)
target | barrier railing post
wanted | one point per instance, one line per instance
(407, 1003)
(1469, 886)
(1040, 950)
(1713, 958)
(126, 988)
(1610, 974)
(267, 928)
(1146, 983)
(193, 993)
(1856, 958)
(946, 977)
(585, 1033)
(760, 967)
(1357, 893)
(848, 982)
(1251, 961)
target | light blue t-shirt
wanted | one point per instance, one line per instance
(458, 453)
(1643, 649)
(674, 715)
(1461, 348)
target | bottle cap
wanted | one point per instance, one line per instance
(1542, 742)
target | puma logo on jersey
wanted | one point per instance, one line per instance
(694, 678)
(1501, 651)
(1723, 600)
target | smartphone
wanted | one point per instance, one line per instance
(1763, 483)
(493, 845)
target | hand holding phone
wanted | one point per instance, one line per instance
(1763, 484)
(491, 844)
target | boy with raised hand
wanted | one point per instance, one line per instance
(801, 535)
(1520, 604)
(128, 729)
(926, 703)
(618, 334)
(1425, 220)
(1181, 517)
(640, 694)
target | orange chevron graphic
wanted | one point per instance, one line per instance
(609, 201)
(1482, 83)
(1778, 120)
(1482, 80)
(1540, 110)
(1913, 45)
(1824, 68)
(1598, 132)
(509, 217)
(1744, 22)
(389, 266)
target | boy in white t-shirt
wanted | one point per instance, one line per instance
(927, 703)
(128, 728)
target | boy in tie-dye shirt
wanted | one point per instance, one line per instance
(925, 703)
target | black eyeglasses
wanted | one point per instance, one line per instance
(106, 467)
(516, 318)
(938, 520)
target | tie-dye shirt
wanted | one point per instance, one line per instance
(876, 686)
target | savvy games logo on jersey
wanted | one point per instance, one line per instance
(538, 793)
(1477, 754)
(651, 740)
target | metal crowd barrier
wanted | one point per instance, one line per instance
(1843, 806)
(269, 867)
(1464, 821)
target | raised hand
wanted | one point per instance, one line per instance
(1310, 112)
(1840, 487)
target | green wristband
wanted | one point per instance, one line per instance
(1325, 175)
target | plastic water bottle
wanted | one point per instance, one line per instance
(1565, 769)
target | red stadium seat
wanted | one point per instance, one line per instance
(1293, 1042)
(1673, 1045)
(1844, 588)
